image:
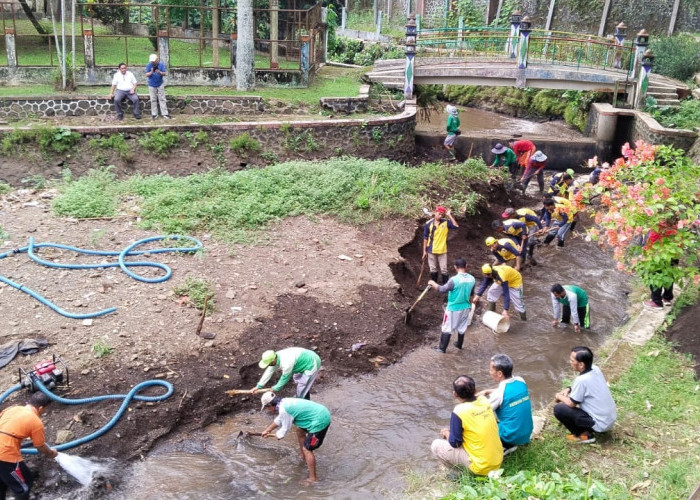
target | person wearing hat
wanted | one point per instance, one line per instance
(559, 215)
(502, 280)
(124, 87)
(452, 127)
(565, 186)
(575, 308)
(513, 229)
(505, 157)
(298, 363)
(533, 224)
(523, 150)
(155, 71)
(459, 290)
(504, 251)
(556, 178)
(310, 419)
(435, 242)
(535, 168)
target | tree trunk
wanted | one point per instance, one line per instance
(215, 32)
(30, 15)
(245, 52)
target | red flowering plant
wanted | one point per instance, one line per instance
(649, 213)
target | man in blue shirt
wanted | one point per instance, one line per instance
(511, 403)
(155, 71)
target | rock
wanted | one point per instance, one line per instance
(696, 79)
(87, 322)
(252, 287)
(300, 284)
(85, 372)
(209, 343)
(344, 257)
(230, 294)
(301, 291)
(696, 93)
(64, 436)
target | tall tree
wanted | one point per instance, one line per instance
(30, 15)
(245, 48)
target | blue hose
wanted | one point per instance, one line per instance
(126, 397)
(124, 265)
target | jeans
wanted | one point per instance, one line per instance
(157, 95)
(119, 96)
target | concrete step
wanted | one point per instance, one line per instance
(660, 88)
(663, 95)
(668, 102)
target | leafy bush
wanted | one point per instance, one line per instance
(115, 142)
(344, 49)
(93, 195)
(13, 141)
(5, 188)
(686, 116)
(58, 139)
(676, 56)
(159, 141)
(101, 348)
(244, 144)
(351, 51)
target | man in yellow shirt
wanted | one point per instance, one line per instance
(472, 438)
(16, 424)
(435, 243)
(502, 280)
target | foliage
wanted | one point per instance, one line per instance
(197, 139)
(93, 195)
(13, 141)
(649, 189)
(676, 56)
(351, 51)
(197, 290)
(101, 348)
(269, 156)
(115, 142)
(473, 16)
(160, 141)
(5, 188)
(300, 141)
(686, 116)
(4, 235)
(344, 49)
(58, 139)
(36, 181)
(57, 76)
(427, 100)
(244, 144)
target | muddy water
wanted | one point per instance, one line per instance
(484, 122)
(383, 425)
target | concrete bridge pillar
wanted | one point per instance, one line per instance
(512, 45)
(643, 80)
(89, 53)
(10, 49)
(605, 132)
(164, 48)
(524, 42)
(641, 43)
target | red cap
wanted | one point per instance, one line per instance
(508, 212)
(441, 209)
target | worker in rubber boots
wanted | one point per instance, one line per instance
(435, 242)
(575, 306)
(502, 280)
(513, 229)
(452, 128)
(298, 363)
(505, 251)
(533, 224)
(310, 419)
(459, 290)
(523, 150)
(558, 216)
(16, 424)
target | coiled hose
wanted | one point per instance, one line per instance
(123, 264)
(131, 395)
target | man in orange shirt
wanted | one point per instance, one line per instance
(17, 423)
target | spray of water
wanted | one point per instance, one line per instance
(80, 468)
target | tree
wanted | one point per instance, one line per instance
(245, 49)
(30, 15)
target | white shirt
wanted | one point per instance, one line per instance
(124, 81)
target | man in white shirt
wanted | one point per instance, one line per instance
(124, 87)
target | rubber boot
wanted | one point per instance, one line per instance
(444, 279)
(491, 307)
(434, 277)
(560, 243)
(549, 239)
(533, 262)
(444, 342)
(523, 316)
(460, 341)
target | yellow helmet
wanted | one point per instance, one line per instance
(486, 269)
(490, 241)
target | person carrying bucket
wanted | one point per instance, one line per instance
(301, 364)
(502, 280)
(452, 128)
(435, 242)
(505, 251)
(575, 306)
(459, 290)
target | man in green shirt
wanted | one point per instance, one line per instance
(298, 363)
(310, 419)
(452, 127)
(505, 157)
(575, 302)
(459, 290)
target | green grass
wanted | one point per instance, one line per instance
(687, 116)
(196, 290)
(233, 206)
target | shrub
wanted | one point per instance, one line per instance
(101, 348)
(676, 56)
(5, 188)
(58, 139)
(115, 142)
(13, 141)
(93, 195)
(196, 290)
(159, 141)
(244, 144)
(686, 116)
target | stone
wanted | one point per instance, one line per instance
(87, 322)
(696, 78)
(696, 93)
(64, 436)
(300, 284)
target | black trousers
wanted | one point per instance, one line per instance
(17, 477)
(574, 419)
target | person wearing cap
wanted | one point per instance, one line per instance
(504, 251)
(513, 229)
(535, 168)
(523, 150)
(435, 242)
(533, 224)
(458, 289)
(564, 186)
(155, 71)
(511, 403)
(298, 363)
(559, 214)
(575, 308)
(505, 157)
(502, 280)
(472, 439)
(310, 419)
(124, 87)
(452, 127)
(556, 178)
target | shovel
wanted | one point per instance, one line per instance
(236, 392)
(420, 276)
(420, 297)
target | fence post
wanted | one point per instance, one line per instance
(375, 9)
(620, 32)
(641, 42)
(460, 33)
(410, 49)
(164, 47)
(379, 23)
(234, 46)
(512, 46)
(10, 48)
(343, 18)
(324, 20)
(524, 42)
(89, 52)
(305, 59)
(646, 63)
(274, 34)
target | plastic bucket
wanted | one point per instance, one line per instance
(495, 322)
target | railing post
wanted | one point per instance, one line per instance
(512, 45)
(460, 33)
(234, 46)
(89, 53)
(524, 42)
(643, 82)
(378, 29)
(411, 32)
(324, 20)
(641, 43)
(620, 32)
(305, 68)
(343, 18)
(10, 49)
(164, 48)
(274, 34)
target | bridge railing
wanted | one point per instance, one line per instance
(455, 42)
(580, 53)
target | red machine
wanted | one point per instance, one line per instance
(51, 374)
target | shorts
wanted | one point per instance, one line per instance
(314, 440)
(450, 140)
(456, 320)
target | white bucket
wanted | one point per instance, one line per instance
(495, 322)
